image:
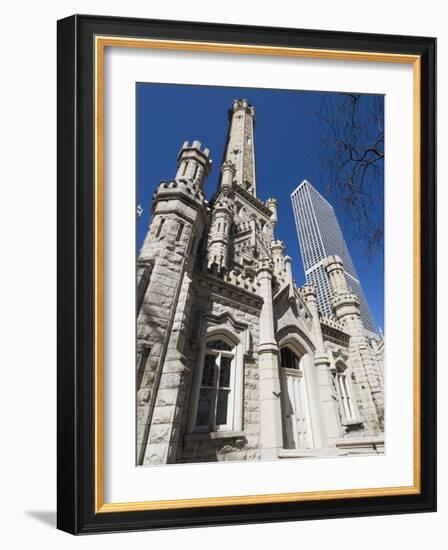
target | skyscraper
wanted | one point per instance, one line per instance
(319, 236)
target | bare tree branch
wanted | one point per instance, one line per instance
(352, 128)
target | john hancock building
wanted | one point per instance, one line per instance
(234, 360)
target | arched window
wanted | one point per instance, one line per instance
(216, 392)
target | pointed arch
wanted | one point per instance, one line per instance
(295, 337)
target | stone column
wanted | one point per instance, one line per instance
(272, 204)
(271, 429)
(330, 424)
(253, 235)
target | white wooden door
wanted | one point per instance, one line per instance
(296, 409)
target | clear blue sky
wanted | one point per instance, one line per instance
(287, 139)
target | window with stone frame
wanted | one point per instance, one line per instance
(345, 393)
(216, 392)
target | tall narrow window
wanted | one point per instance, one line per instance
(215, 403)
(159, 229)
(195, 171)
(345, 394)
(180, 228)
(142, 358)
(193, 244)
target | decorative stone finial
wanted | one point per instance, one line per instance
(228, 165)
(277, 246)
(272, 204)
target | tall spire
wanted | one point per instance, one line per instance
(240, 144)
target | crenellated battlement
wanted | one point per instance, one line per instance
(271, 203)
(193, 163)
(345, 298)
(196, 147)
(240, 280)
(278, 245)
(242, 105)
(331, 322)
(179, 186)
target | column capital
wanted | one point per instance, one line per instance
(321, 359)
(227, 165)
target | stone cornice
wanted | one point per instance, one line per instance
(230, 291)
(252, 200)
(334, 333)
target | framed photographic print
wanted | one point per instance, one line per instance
(246, 271)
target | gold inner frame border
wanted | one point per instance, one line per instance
(100, 44)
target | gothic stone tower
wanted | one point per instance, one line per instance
(165, 268)
(234, 361)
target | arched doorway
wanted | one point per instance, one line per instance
(297, 426)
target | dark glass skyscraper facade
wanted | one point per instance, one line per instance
(320, 236)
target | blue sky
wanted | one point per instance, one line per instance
(288, 138)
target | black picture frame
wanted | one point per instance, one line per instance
(76, 256)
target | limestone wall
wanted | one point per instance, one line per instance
(244, 444)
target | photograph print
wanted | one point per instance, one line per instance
(259, 274)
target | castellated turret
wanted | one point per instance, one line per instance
(345, 303)
(272, 205)
(282, 266)
(222, 217)
(366, 368)
(176, 203)
(278, 252)
(165, 269)
(194, 165)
